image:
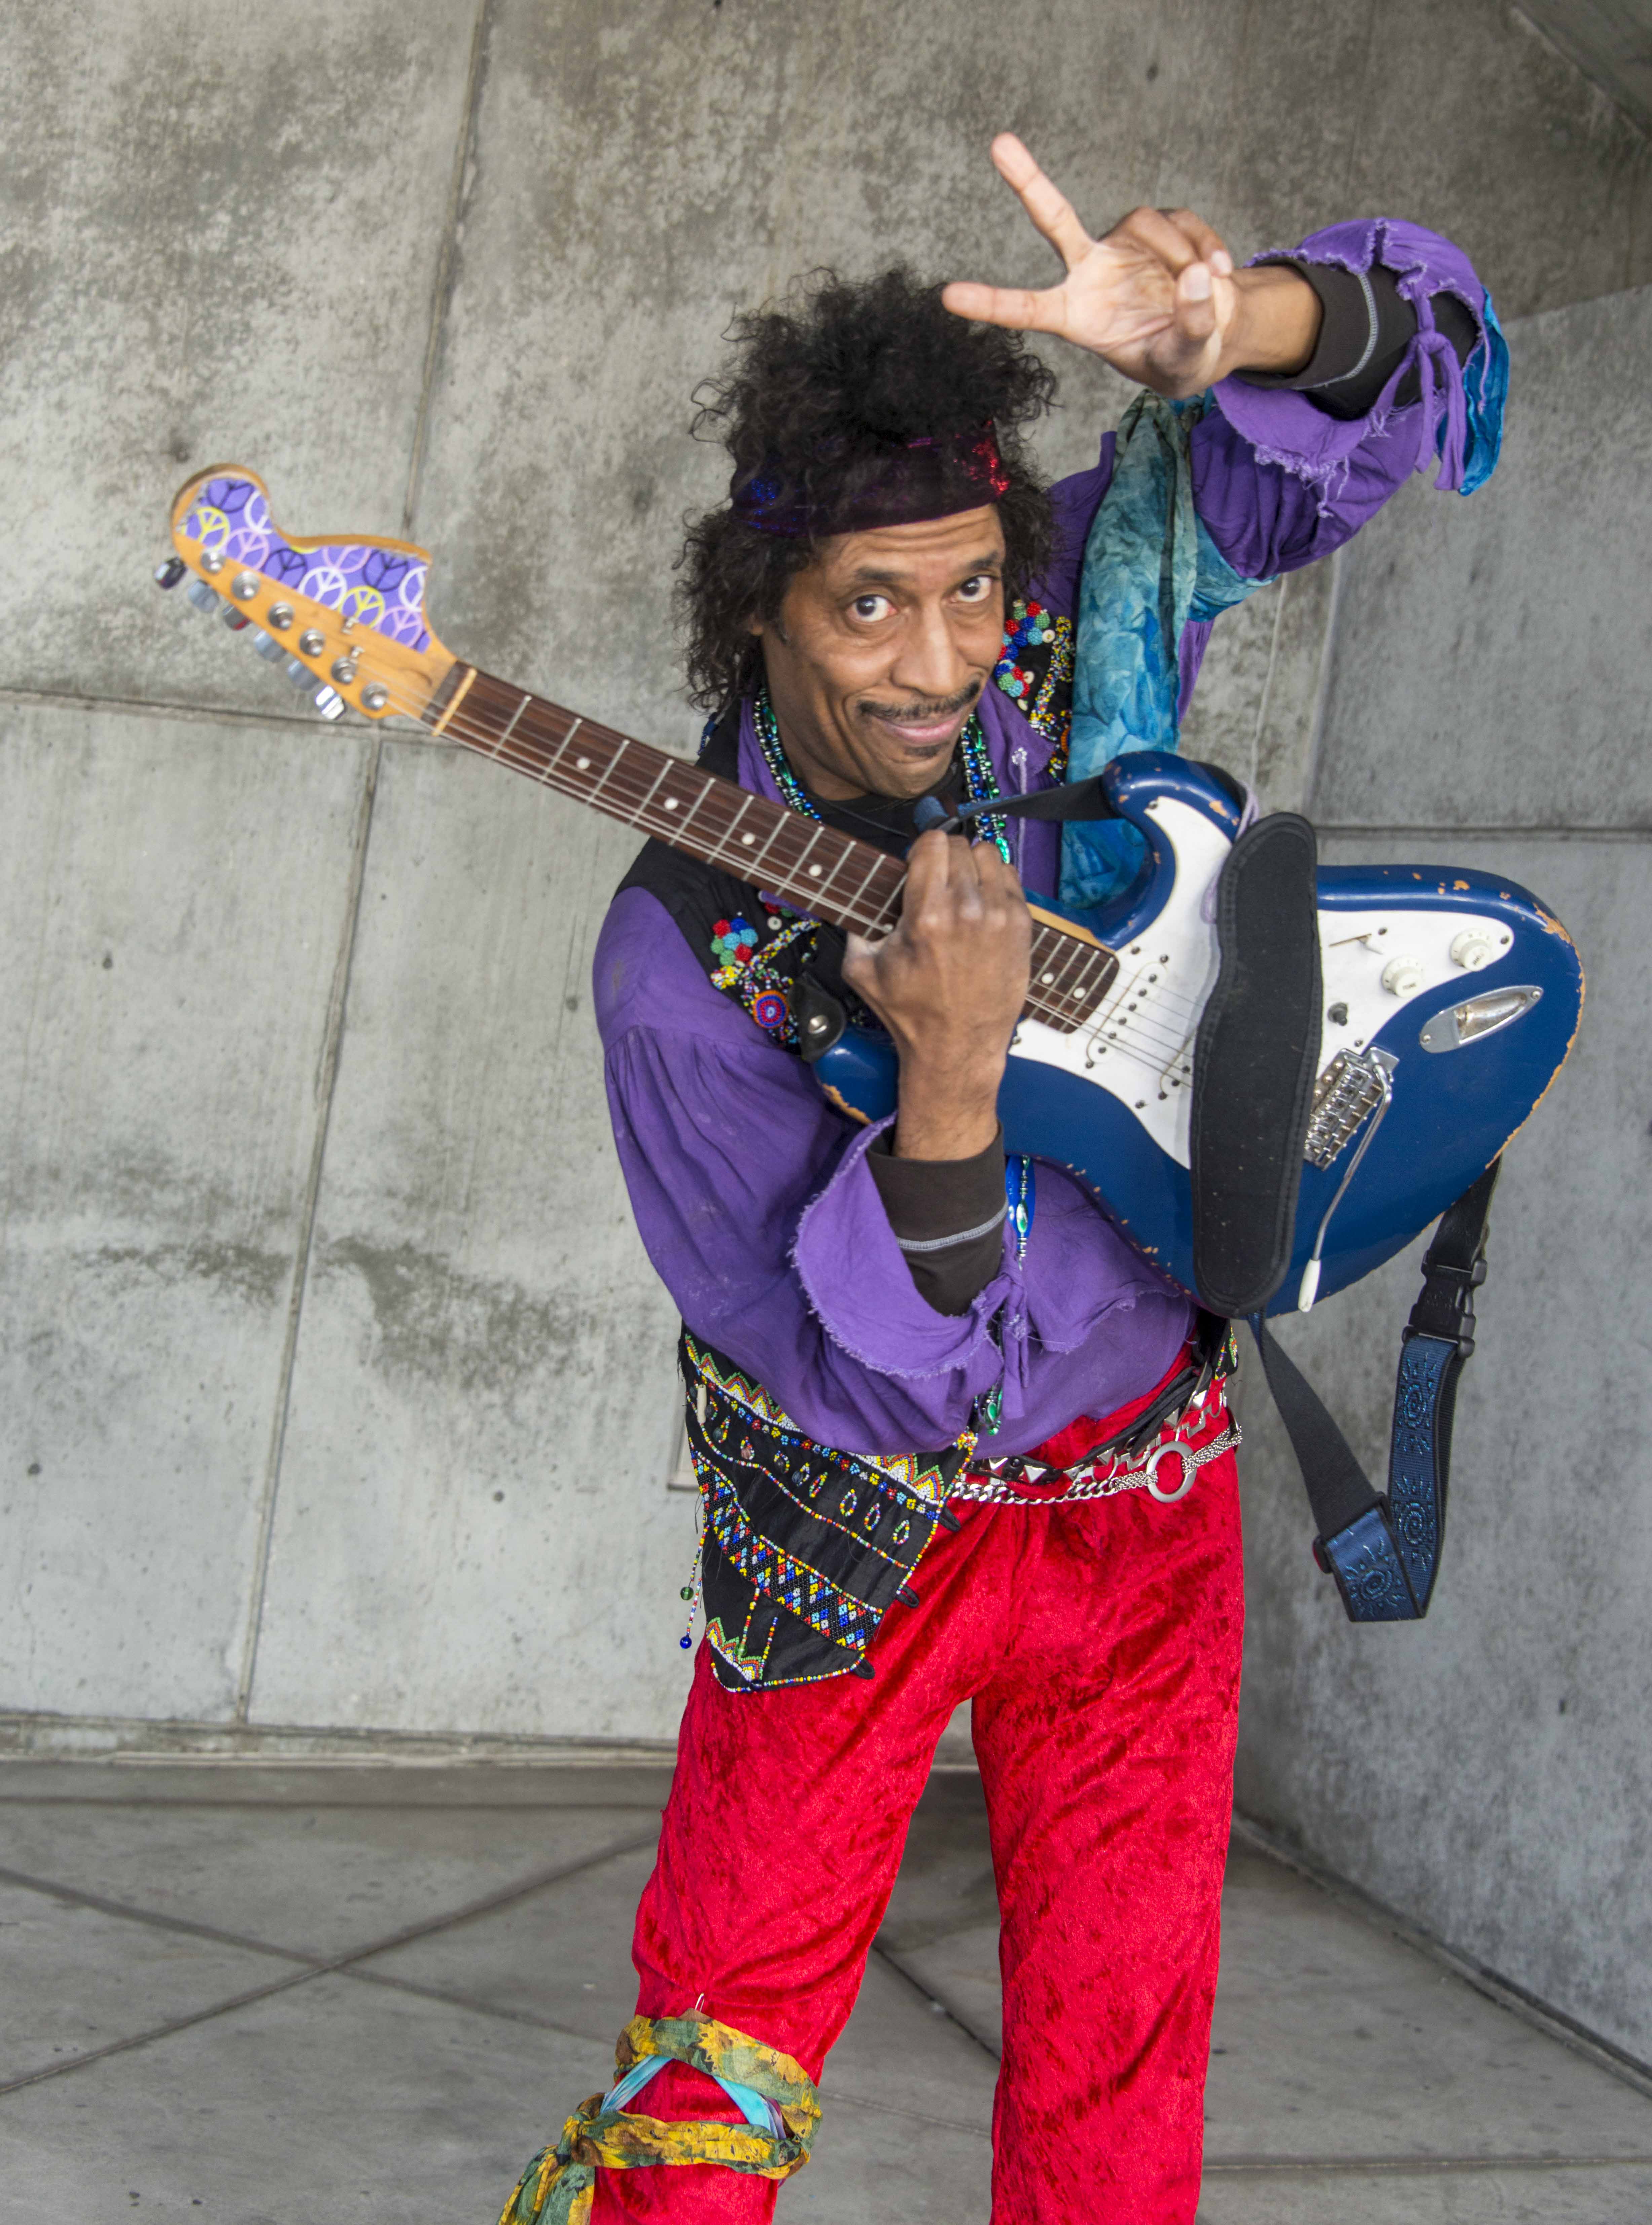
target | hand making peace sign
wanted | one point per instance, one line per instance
(1158, 297)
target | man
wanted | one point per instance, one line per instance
(881, 613)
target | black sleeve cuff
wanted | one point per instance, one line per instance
(947, 1217)
(1364, 328)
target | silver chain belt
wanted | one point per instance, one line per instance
(1101, 1479)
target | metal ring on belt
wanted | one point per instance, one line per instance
(1101, 1480)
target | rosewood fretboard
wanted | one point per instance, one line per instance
(814, 867)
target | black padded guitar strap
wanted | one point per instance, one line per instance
(1383, 1549)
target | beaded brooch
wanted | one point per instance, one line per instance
(763, 980)
(1036, 672)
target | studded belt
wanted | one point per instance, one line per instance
(1131, 1467)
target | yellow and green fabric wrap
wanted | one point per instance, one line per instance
(559, 2184)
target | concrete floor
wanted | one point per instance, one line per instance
(322, 1996)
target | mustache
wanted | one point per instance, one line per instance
(922, 714)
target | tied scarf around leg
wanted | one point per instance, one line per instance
(559, 2186)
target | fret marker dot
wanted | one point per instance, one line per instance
(671, 803)
(748, 839)
(1047, 979)
(814, 873)
(582, 764)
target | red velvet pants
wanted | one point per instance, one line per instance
(1099, 1644)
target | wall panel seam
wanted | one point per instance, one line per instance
(326, 1078)
(442, 284)
(41, 699)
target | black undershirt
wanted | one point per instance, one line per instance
(1362, 337)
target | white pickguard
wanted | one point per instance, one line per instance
(1137, 1044)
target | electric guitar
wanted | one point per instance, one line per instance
(1450, 998)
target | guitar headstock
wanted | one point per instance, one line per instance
(345, 616)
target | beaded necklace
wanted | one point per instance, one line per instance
(979, 779)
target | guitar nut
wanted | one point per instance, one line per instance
(375, 695)
(280, 617)
(311, 642)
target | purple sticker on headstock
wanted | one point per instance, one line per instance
(382, 588)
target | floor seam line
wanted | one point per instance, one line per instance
(341, 1806)
(154, 1919)
(1487, 1983)
(332, 1966)
(1409, 2166)
(890, 1959)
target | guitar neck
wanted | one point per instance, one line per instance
(808, 865)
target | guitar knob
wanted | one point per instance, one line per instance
(1473, 949)
(268, 647)
(329, 702)
(169, 574)
(202, 597)
(237, 621)
(1403, 977)
(299, 673)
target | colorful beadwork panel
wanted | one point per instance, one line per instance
(806, 1547)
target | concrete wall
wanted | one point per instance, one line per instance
(1488, 703)
(338, 1395)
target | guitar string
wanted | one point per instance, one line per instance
(1161, 1045)
(1164, 1044)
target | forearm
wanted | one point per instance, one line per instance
(948, 1108)
(1277, 322)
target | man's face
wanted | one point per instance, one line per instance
(883, 646)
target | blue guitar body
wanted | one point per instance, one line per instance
(1451, 999)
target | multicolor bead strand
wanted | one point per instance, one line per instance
(692, 1590)
(979, 782)
(791, 791)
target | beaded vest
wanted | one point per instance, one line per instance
(805, 1546)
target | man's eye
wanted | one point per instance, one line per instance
(871, 606)
(977, 589)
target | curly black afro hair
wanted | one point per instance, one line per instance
(820, 389)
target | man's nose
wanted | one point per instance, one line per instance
(930, 662)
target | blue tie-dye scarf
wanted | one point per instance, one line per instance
(1151, 566)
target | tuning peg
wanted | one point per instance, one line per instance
(268, 647)
(169, 574)
(237, 621)
(329, 702)
(204, 598)
(299, 673)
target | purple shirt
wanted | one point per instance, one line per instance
(751, 1193)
